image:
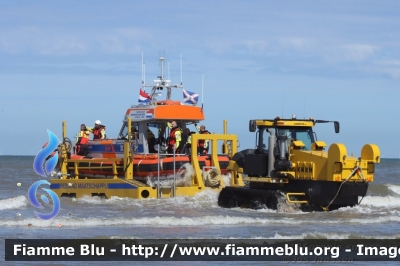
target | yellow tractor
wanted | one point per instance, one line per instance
(289, 161)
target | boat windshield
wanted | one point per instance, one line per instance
(123, 134)
(304, 134)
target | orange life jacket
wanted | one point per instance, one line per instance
(84, 137)
(97, 132)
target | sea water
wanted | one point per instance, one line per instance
(377, 217)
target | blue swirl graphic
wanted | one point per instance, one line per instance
(32, 198)
(42, 155)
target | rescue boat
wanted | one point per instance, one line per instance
(145, 128)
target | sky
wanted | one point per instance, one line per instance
(79, 61)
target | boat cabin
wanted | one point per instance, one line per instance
(149, 124)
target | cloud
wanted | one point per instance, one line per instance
(29, 39)
(390, 68)
(296, 43)
(256, 46)
(394, 73)
(220, 46)
(53, 41)
(123, 40)
(261, 45)
(390, 63)
(335, 53)
(358, 52)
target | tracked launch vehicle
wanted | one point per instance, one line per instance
(289, 161)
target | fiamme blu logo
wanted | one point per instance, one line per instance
(44, 163)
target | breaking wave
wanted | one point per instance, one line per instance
(13, 203)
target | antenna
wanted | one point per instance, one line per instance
(181, 68)
(283, 102)
(304, 105)
(202, 90)
(142, 70)
(162, 67)
(168, 71)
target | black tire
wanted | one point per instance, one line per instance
(227, 198)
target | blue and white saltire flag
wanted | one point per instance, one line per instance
(190, 97)
(144, 97)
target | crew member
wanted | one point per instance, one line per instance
(82, 140)
(186, 141)
(99, 130)
(174, 137)
(134, 133)
(151, 140)
(202, 145)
